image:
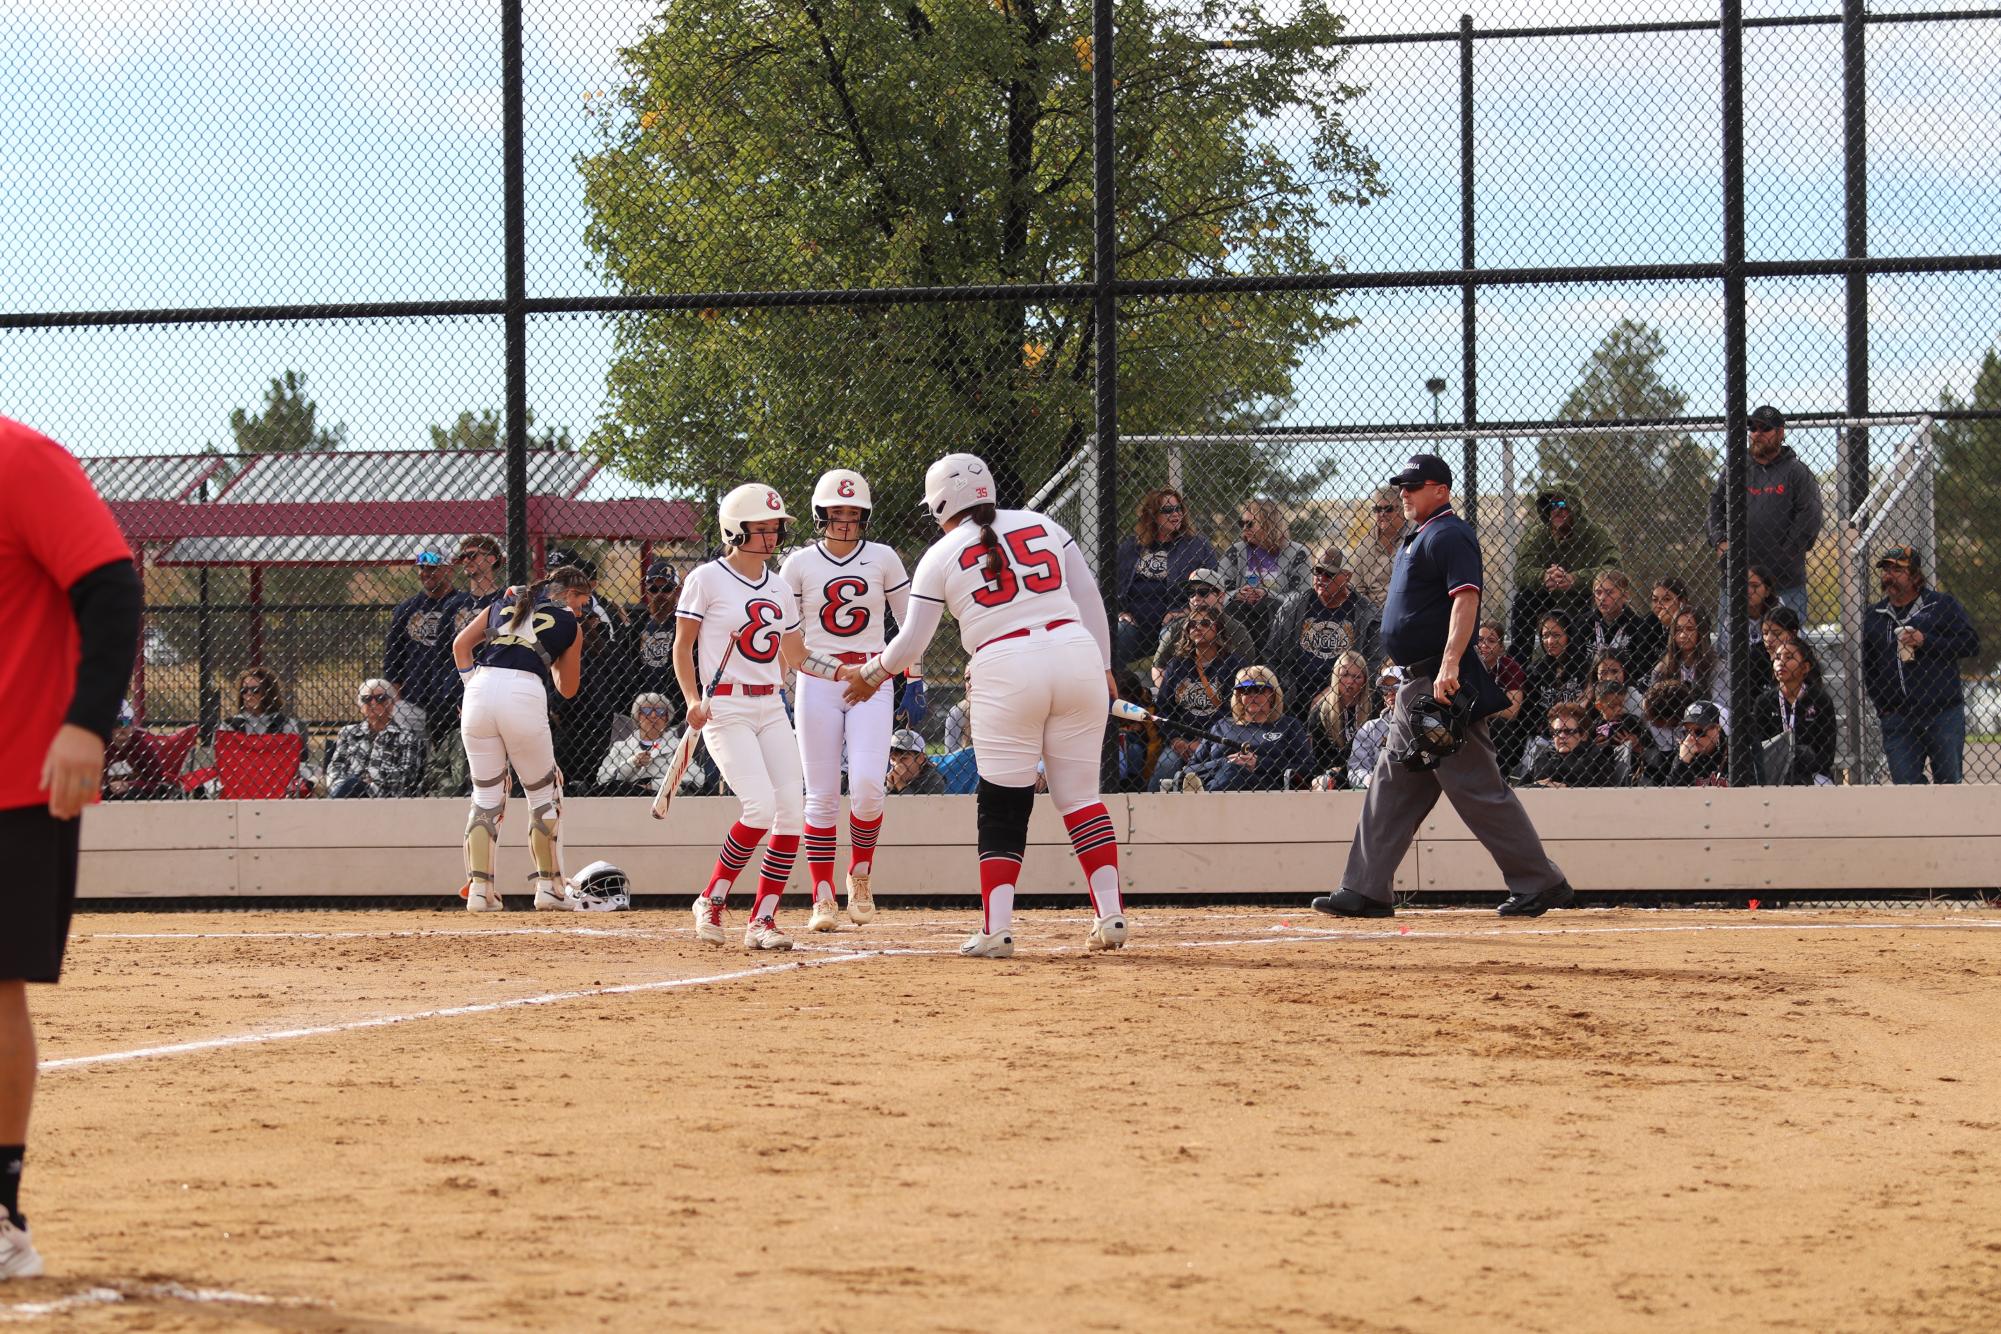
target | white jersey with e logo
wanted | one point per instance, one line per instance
(1027, 591)
(754, 612)
(844, 602)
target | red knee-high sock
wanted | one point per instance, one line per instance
(861, 843)
(1096, 843)
(779, 855)
(998, 873)
(738, 844)
(820, 861)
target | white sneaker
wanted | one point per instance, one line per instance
(763, 934)
(861, 900)
(18, 1257)
(1107, 933)
(710, 921)
(826, 915)
(981, 945)
(484, 898)
(550, 897)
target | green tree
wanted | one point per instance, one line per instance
(288, 424)
(1650, 491)
(872, 145)
(1968, 509)
(484, 431)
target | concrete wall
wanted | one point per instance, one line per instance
(1782, 839)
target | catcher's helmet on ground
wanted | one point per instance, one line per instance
(840, 486)
(956, 483)
(746, 505)
(601, 887)
(1437, 729)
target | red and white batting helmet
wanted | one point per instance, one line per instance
(748, 504)
(840, 486)
(956, 483)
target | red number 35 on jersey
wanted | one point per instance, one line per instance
(758, 640)
(1042, 569)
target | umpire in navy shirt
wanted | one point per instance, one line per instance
(1429, 620)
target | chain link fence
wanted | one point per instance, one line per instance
(421, 298)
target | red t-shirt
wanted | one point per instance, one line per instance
(53, 530)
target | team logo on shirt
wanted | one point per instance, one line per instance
(758, 639)
(656, 648)
(1326, 639)
(1152, 565)
(423, 627)
(840, 614)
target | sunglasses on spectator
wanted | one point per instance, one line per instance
(1204, 623)
(375, 699)
(1252, 687)
(1566, 731)
(1170, 509)
(648, 711)
(250, 689)
(1694, 729)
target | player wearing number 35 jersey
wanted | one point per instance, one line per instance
(1039, 681)
(846, 588)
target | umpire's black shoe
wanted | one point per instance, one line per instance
(1538, 903)
(1347, 903)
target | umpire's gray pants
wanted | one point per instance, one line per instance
(1470, 778)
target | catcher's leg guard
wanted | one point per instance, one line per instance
(545, 821)
(489, 803)
(1003, 834)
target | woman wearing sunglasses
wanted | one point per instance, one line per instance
(1268, 749)
(637, 761)
(1154, 563)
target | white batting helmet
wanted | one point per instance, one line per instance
(747, 504)
(840, 486)
(955, 484)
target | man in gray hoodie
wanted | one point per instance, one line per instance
(1782, 509)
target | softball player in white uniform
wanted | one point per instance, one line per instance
(845, 585)
(1039, 665)
(509, 654)
(745, 619)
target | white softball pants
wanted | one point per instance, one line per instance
(753, 745)
(1041, 697)
(505, 721)
(829, 725)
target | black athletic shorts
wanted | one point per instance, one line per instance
(38, 894)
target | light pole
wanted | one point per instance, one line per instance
(1436, 386)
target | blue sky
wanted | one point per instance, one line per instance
(247, 152)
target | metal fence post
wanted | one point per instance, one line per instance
(1736, 381)
(1468, 294)
(1104, 150)
(1855, 206)
(514, 190)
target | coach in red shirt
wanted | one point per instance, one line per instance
(73, 604)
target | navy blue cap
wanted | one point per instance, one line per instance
(1423, 468)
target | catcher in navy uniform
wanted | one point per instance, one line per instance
(1429, 619)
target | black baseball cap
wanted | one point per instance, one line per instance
(1765, 417)
(1423, 468)
(1702, 713)
(662, 570)
(1906, 556)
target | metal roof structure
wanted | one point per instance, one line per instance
(149, 476)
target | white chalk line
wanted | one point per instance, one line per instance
(834, 954)
(17, 1312)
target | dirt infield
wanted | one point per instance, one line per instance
(1601, 1120)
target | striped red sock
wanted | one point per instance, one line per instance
(779, 855)
(861, 843)
(738, 844)
(820, 861)
(998, 873)
(1096, 843)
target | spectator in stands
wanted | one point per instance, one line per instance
(1205, 593)
(1782, 510)
(377, 757)
(1794, 720)
(582, 725)
(1561, 669)
(648, 662)
(1196, 689)
(1912, 642)
(1154, 563)
(1608, 666)
(1619, 730)
(1567, 761)
(1758, 604)
(132, 767)
(1138, 743)
(1314, 629)
(911, 773)
(1338, 712)
(1700, 759)
(417, 654)
(635, 763)
(1668, 599)
(1504, 727)
(1781, 625)
(1370, 736)
(1691, 657)
(1266, 749)
(1554, 567)
(1613, 623)
(958, 721)
(479, 559)
(261, 712)
(1264, 567)
(1376, 553)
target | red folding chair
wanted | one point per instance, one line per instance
(173, 751)
(258, 768)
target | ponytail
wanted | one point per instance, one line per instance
(984, 516)
(562, 577)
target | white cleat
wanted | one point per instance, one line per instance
(710, 922)
(861, 900)
(826, 915)
(484, 898)
(763, 934)
(550, 897)
(1107, 933)
(982, 945)
(18, 1257)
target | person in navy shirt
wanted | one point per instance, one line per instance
(1429, 619)
(417, 653)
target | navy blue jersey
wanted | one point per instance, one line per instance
(1438, 559)
(417, 654)
(552, 627)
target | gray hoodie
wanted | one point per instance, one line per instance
(1782, 519)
